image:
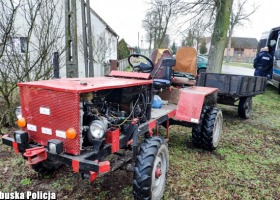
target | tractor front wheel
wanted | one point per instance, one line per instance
(212, 129)
(151, 169)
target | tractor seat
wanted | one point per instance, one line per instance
(162, 75)
(161, 83)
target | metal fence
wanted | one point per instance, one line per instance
(101, 69)
(241, 59)
(123, 64)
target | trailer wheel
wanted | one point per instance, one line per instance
(46, 167)
(151, 169)
(212, 129)
(197, 128)
(245, 107)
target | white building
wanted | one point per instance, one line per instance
(104, 37)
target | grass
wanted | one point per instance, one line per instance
(246, 164)
(237, 64)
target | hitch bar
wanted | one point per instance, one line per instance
(35, 155)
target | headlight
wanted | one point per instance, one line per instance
(55, 146)
(21, 137)
(98, 128)
(18, 112)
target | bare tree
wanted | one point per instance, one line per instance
(159, 17)
(148, 24)
(196, 31)
(32, 33)
(219, 11)
(238, 17)
(102, 47)
(219, 36)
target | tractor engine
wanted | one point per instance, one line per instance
(102, 110)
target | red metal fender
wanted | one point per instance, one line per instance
(190, 103)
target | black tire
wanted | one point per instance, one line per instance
(197, 129)
(212, 129)
(279, 88)
(151, 169)
(245, 107)
(46, 167)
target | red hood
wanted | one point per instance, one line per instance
(81, 85)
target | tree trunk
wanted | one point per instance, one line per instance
(150, 43)
(219, 36)
(229, 45)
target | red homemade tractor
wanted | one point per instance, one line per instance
(80, 122)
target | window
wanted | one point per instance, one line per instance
(18, 45)
(278, 44)
(238, 52)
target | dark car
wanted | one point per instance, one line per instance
(202, 63)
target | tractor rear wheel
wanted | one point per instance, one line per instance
(212, 129)
(197, 129)
(245, 107)
(151, 169)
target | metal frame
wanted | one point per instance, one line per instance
(71, 39)
(87, 38)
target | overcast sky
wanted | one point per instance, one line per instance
(125, 17)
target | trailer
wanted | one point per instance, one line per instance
(233, 88)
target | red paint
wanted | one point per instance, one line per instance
(76, 166)
(35, 155)
(61, 118)
(134, 121)
(167, 130)
(152, 125)
(15, 145)
(113, 138)
(190, 103)
(93, 176)
(73, 85)
(171, 114)
(158, 172)
(130, 74)
(129, 142)
(104, 167)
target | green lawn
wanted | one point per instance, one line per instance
(246, 65)
(246, 165)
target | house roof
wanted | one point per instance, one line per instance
(107, 26)
(240, 42)
(244, 43)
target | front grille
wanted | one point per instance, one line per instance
(52, 111)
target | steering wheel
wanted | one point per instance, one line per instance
(140, 66)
